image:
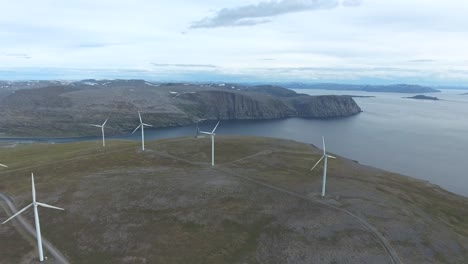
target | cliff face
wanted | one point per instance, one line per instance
(229, 105)
(68, 109)
(326, 106)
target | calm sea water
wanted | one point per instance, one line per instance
(423, 139)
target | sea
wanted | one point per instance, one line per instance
(423, 139)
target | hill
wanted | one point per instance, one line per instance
(67, 109)
(395, 88)
(259, 204)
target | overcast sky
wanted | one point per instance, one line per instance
(368, 41)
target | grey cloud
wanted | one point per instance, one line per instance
(341, 70)
(94, 45)
(422, 60)
(260, 13)
(18, 55)
(185, 65)
(288, 69)
(458, 71)
(351, 3)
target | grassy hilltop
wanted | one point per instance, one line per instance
(259, 204)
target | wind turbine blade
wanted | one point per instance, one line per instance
(5, 166)
(95, 125)
(208, 133)
(317, 163)
(330, 156)
(19, 212)
(33, 188)
(323, 140)
(50, 206)
(147, 125)
(139, 115)
(105, 122)
(136, 128)
(215, 127)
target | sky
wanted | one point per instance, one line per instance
(342, 41)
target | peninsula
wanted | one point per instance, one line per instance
(67, 108)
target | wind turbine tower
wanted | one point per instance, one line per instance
(324, 157)
(35, 204)
(212, 134)
(102, 130)
(142, 126)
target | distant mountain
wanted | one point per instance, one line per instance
(395, 88)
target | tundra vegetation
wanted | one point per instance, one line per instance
(259, 204)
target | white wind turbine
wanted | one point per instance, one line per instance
(142, 125)
(212, 133)
(324, 157)
(5, 166)
(102, 130)
(36, 217)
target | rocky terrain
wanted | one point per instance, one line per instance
(66, 109)
(259, 204)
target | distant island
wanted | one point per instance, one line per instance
(395, 88)
(423, 97)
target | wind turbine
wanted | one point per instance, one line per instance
(324, 157)
(5, 166)
(212, 133)
(36, 217)
(142, 125)
(102, 129)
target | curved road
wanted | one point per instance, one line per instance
(26, 226)
(393, 255)
(395, 259)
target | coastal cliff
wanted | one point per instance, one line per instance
(228, 105)
(68, 109)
